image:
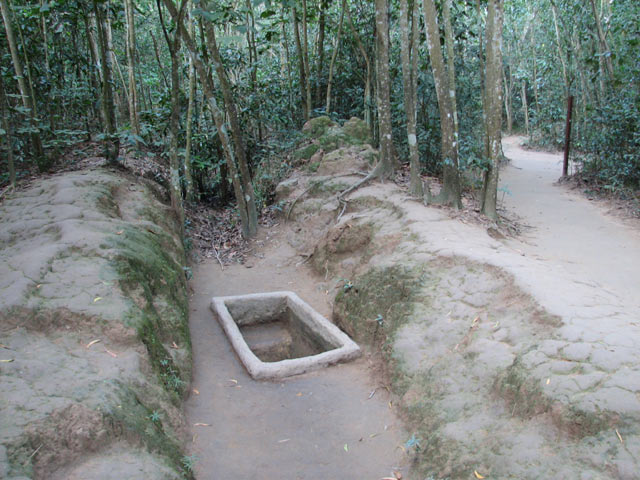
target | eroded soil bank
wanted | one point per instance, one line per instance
(509, 363)
(94, 342)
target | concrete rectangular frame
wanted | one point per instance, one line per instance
(253, 308)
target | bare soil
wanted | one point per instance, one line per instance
(514, 356)
(325, 424)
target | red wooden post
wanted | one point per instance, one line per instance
(567, 137)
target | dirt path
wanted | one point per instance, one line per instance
(569, 231)
(320, 425)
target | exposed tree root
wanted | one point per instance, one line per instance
(350, 174)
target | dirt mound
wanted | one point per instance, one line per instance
(490, 374)
(93, 330)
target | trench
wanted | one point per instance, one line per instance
(317, 425)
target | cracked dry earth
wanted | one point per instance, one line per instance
(78, 384)
(514, 358)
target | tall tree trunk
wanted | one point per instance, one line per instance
(336, 49)
(122, 81)
(368, 117)
(208, 88)
(174, 160)
(131, 64)
(561, 57)
(387, 161)
(305, 52)
(450, 193)
(114, 60)
(451, 71)
(605, 51)
(525, 106)
(287, 59)
(28, 102)
(112, 142)
(508, 82)
(188, 176)
(409, 54)
(320, 49)
(156, 50)
(236, 130)
(306, 107)
(8, 134)
(493, 94)
(89, 24)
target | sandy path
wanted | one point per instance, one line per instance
(569, 230)
(296, 428)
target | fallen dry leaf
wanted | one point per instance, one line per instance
(119, 232)
(398, 475)
(196, 391)
(174, 345)
(619, 436)
(6, 360)
(113, 354)
(284, 440)
(201, 425)
(97, 299)
(548, 381)
(92, 342)
(299, 394)
(478, 476)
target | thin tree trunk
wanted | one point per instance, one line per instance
(563, 61)
(174, 161)
(507, 100)
(386, 164)
(47, 72)
(451, 71)
(285, 43)
(208, 88)
(131, 64)
(605, 51)
(320, 50)
(409, 54)
(236, 130)
(8, 134)
(450, 193)
(160, 64)
(112, 142)
(368, 117)
(336, 49)
(525, 107)
(305, 52)
(28, 102)
(188, 177)
(303, 72)
(112, 56)
(493, 94)
(122, 80)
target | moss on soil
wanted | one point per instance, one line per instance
(316, 127)
(306, 152)
(144, 264)
(373, 306)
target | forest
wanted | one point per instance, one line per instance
(220, 89)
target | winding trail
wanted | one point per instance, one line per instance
(568, 229)
(578, 263)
